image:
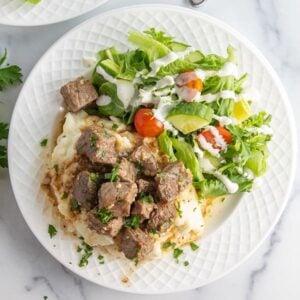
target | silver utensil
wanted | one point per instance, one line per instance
(196, 2)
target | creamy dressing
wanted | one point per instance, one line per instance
(208, 146)
(165, 81)
(218, 138)
(231, 187)
(103, 100)
(166, 60)
(125, 89)
(198, 151)
(251, 94)
(227, 94)
(223, 120)
(229, 69)
(206, 165)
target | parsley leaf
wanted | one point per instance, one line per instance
(10, 74)
(194, 246)
(132, 222)
(3, 157)
(167, 245)
(104, 215)
(176, 253)
(101, 259)
(86, 251)
(52, 231)
(44, 142)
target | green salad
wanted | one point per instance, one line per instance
(195, 105)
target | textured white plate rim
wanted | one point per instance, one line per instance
(285, 99)
(54, 21)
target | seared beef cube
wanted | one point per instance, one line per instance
(143, 156)
(98, 146)
(111, 228)
(173, 179)
(127, 171)
(136, 244)
(142, 209)
(145, 186)
(78, 94)
(162, 216)
(85, 189)
(117, 197)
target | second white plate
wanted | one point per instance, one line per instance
(22, 13)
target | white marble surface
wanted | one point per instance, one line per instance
(27, 271)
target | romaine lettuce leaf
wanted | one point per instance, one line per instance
(153, 48)
(115, 107)
(211, 187)
(184, 152)
(257, 162)
(166, 146)
(222, 107)
(215, 84)
(216, 62)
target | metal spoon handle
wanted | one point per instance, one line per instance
(196, 2)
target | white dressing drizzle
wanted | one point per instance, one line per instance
(125, 89)
(229, 69)
(103, 100)
(166, 60)
(264, 129)
(218, 138)
(208, 146)
(165, 81)
(223, 120)
(231, 187)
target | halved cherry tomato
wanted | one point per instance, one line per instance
(146, 124)
(210, 138)
(225, 134)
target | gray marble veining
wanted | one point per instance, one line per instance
(27, 271)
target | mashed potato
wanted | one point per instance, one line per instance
(188, 225)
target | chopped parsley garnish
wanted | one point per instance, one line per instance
(186, 263)
(44, 142)
(103, 152)
(86, 251)
(55, 167)
(167, 245)
(104, 215)
(194, 246)
(101, 259)
(64, 196)
(132, 222)
(52, 231)
(75, 205)
(105, 134)
(113, 176)
(93, 141)
(176, 253)
(115, 126)
(94, 177)
(146, 198)
(179, 210)
(162, 175)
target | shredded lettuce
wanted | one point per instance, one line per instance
(215, 84)
(165, 145)
(222, 107)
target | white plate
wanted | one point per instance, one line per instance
(22, 13)
(37, 107)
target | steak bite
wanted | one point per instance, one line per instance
(117, 197)
(85, 189)
(98, 145)
(135, 243)
(127, 171)
(143, 156)
(110, 226)
(161, 217)
(142, 209)
(78, 93)
(173, 179)
(145, 186)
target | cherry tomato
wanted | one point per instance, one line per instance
(208, 135)
(225, 134)
(146, 124)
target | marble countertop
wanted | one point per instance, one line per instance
(27, 271)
